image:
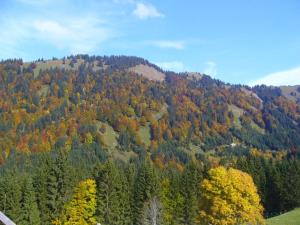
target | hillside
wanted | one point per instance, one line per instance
(128, 103)
(144, 139)
(289, 218)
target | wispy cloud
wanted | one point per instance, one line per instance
(146, 10)
(77, 35)
(63, 27)
(175, 66)
(179, 45)
(287, 77)
(210, 68)
(83, 31)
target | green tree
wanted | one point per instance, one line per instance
(145, 187)
(190, 191)
(53, 184)
(11, 195)
(30, 214)
(113, 205)
(172, 203)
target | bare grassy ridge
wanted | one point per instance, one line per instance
(148, 72)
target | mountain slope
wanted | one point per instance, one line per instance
(106, 100)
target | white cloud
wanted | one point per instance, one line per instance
(176, 66)
(145, 11)
(13, 35)
(76, 35)
(179, 45)
(288, 77)
(67, 29)
(211, 68)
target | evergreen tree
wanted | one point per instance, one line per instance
(54, 182)
(41, 187)
(30, 214)
(113, 206)
(11, 195)
(145, 187)
(190, 191)
(172, 202)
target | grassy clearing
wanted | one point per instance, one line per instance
(289, 218)
(160, 114)
(123, 156)
(144, 133)
(110, 137)
(237, 112)
(51, 64)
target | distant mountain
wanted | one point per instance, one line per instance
(131, 106)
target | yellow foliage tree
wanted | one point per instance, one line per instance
(81, 209)
(229, 197)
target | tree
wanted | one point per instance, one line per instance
(30, 214)
(171, 201)
(152, 212)
(113, 205)
(145, 186)
(229, 197)
(10, 196)
(189, 190)
(82, 207)
(53, 184)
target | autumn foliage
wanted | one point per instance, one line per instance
(230, 197)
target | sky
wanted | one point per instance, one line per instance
(237, 41)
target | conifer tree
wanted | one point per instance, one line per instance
(30, 214)
(54, 182)
(113, 206)
(189, 190)
(145, 187)
(40, 183)
(10, 196)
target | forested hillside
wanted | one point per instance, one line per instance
(132, 142)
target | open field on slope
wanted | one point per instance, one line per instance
(289, 218)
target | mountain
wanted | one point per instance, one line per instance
(118, 140)
(131, 106)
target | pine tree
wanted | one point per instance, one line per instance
(189, 190)
(54, 184)
(274, 187)
(167, 201)
(30, 214)
(40, 183)
(145, 187)
(11, 195)
(113, 206)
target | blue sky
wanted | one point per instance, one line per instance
(248, 42)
